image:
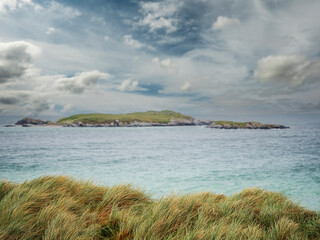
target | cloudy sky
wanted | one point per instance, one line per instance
(199, 57)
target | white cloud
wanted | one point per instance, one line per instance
(12, 5)
(50, 30)
(186, 87)
(166, 63)
(283, 29)
(67, 108)
(160, 15)
(98, 20)
(155, 60)
(80, 81)
(130, 85)
(129, 41)
(106, 38)
(61, 11)
(8, 5)
(294, 70)
(15, 59)
(224, 22)
(158, 23)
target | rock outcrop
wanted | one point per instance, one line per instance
(202, 122)
(27, 122)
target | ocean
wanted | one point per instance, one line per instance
(163, 160)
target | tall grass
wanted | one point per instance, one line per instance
(63, 208)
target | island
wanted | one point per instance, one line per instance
(136, 119)
(142, 119)
(243, 125)
(30, 122)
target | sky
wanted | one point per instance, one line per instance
(198, 57)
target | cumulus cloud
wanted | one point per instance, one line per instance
(67, 108)
(15, 59)
(186, 87)
(164, 63)
(80, 81)
(160, 15)
(130, 85)
(129, 41)
(98, 20)
(61, 11)
(224, 22)
(50, 30)
(295, 69)
(12, 5)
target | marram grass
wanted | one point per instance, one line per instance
(50, 208)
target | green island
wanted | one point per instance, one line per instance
(148, 117)
(142, 119)
(59, 207)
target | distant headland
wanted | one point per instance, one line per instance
(141, 119)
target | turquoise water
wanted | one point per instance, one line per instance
(166, 159)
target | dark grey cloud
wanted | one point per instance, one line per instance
(33, 102)
(13, 97)
(293, 105)
(15, 59)
(310, 107)
(38, 105)
(11, 100)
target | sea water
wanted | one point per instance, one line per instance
(162, 160)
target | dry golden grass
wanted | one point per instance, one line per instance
(63, 208)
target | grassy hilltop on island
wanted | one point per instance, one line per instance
(149, 116)
(54, 208)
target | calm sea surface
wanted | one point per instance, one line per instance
(164, 159)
